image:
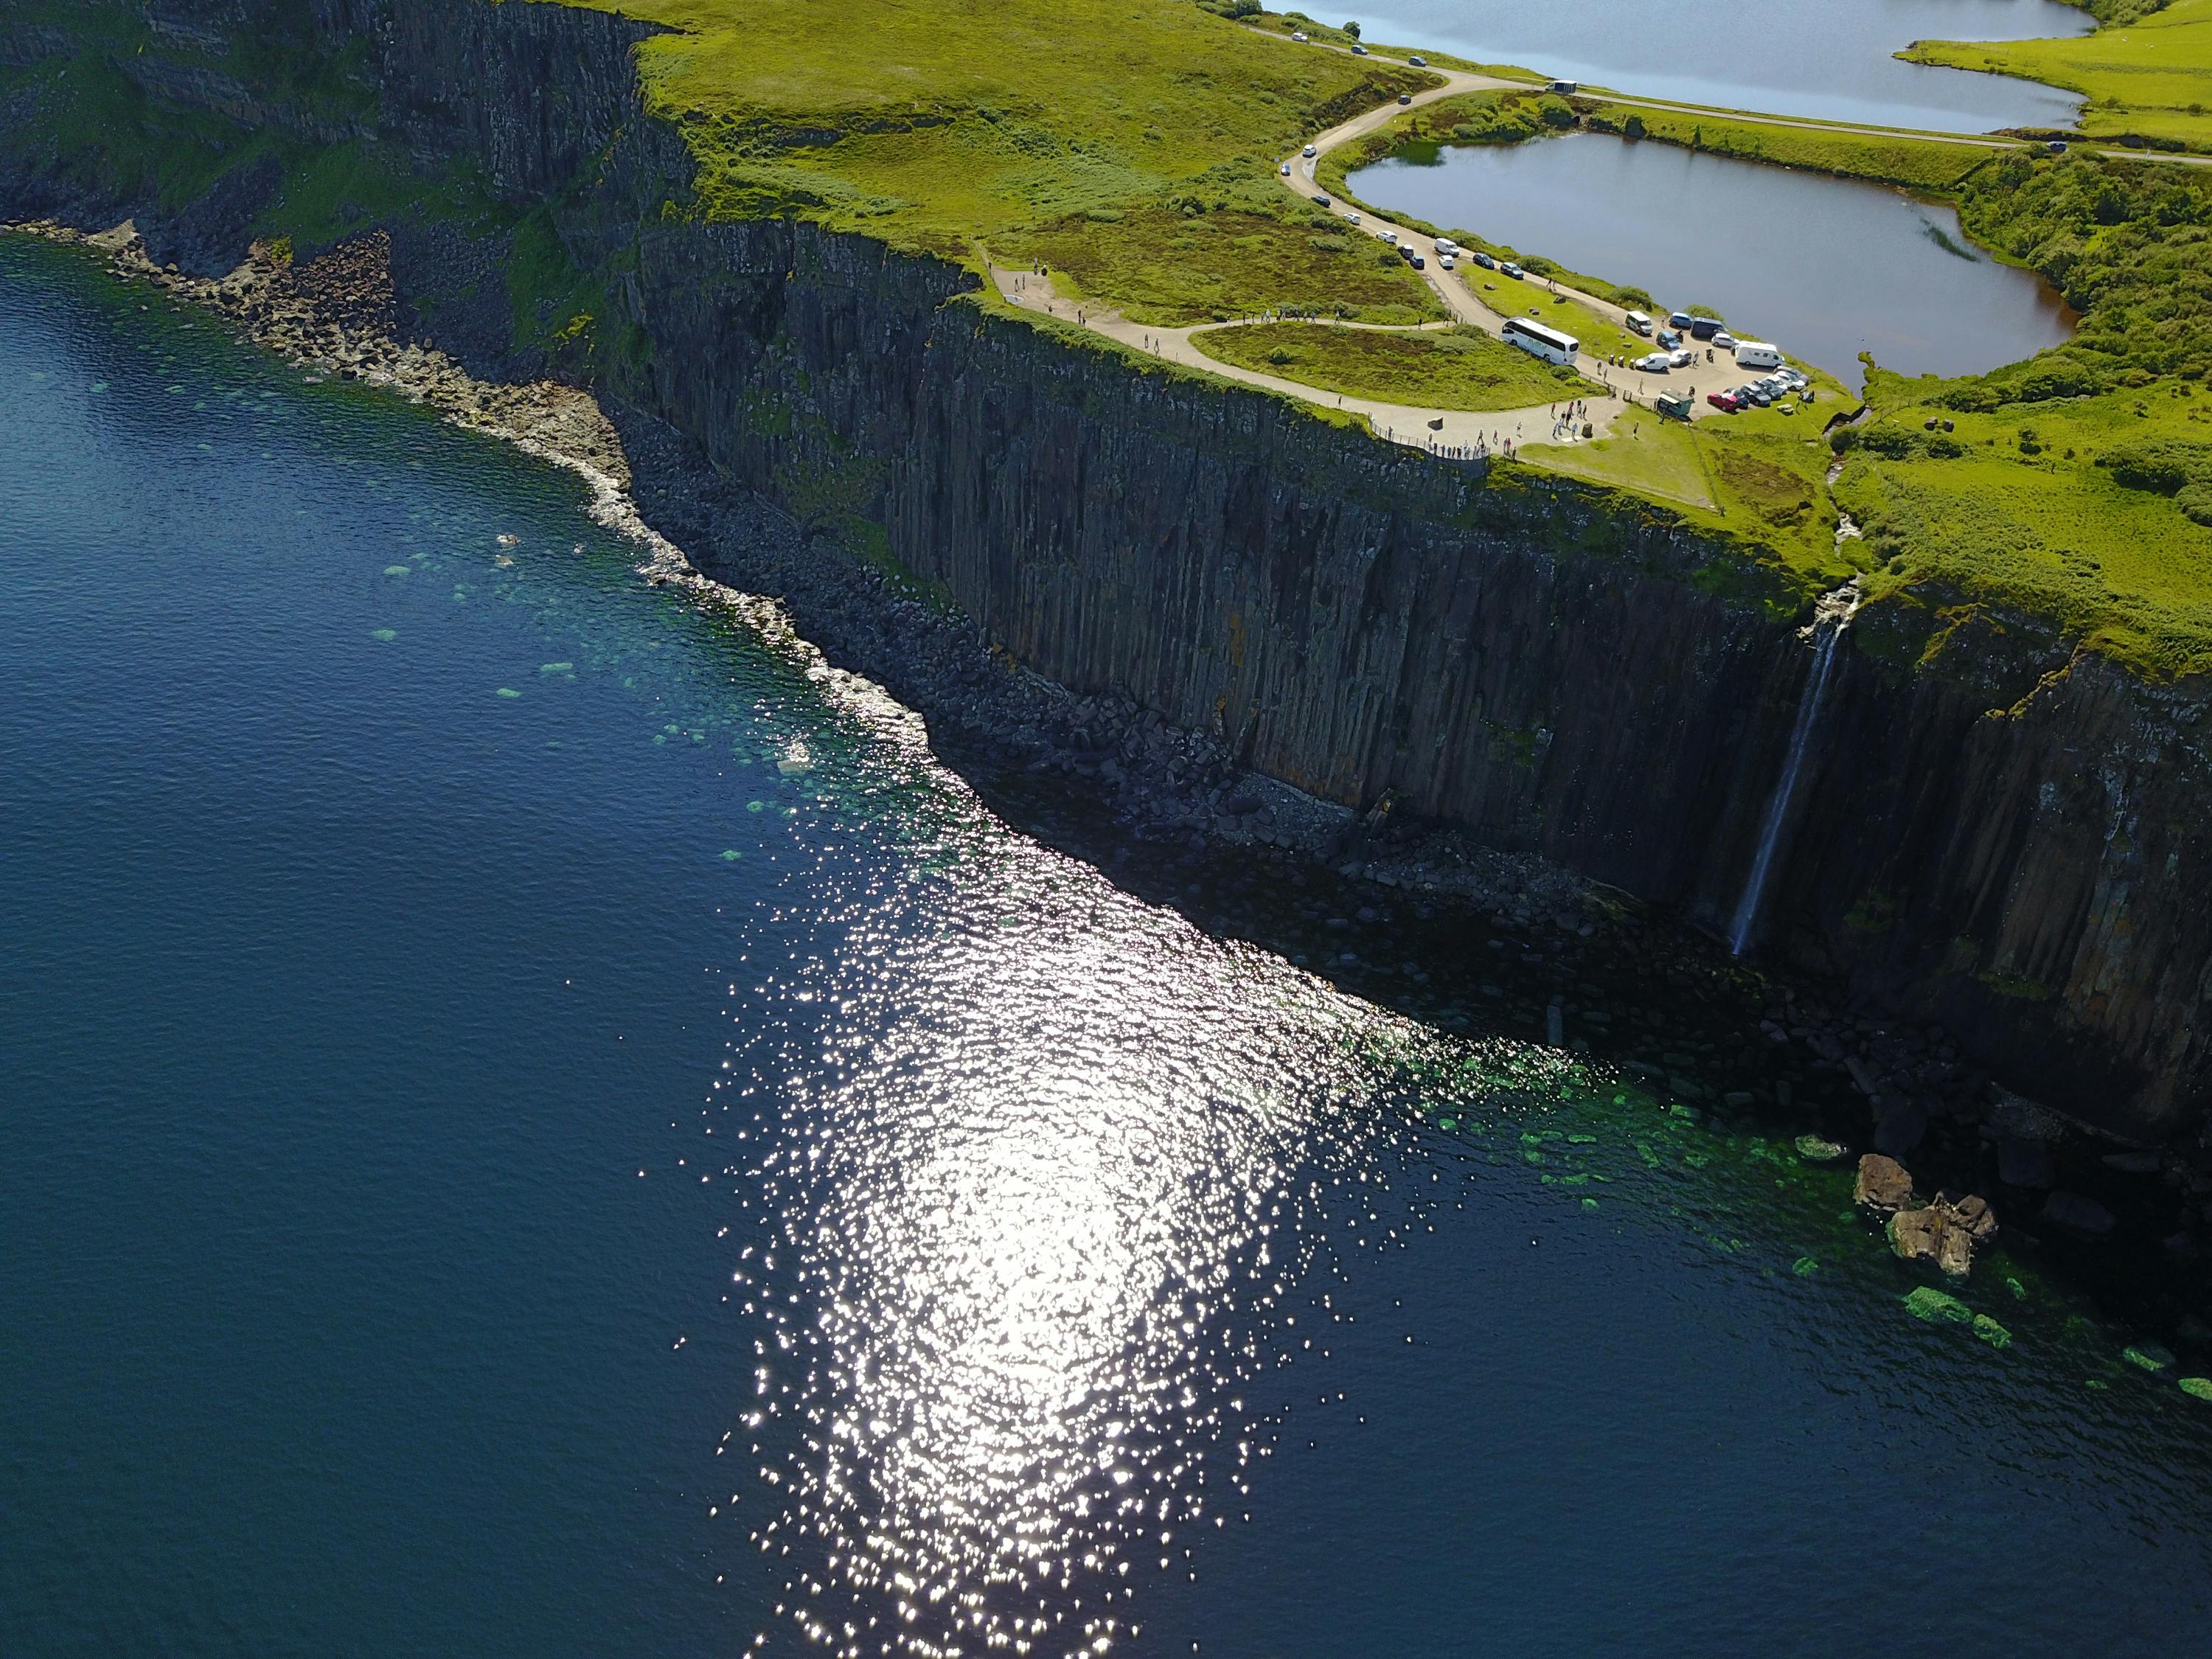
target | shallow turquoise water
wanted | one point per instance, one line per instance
(648, 1165)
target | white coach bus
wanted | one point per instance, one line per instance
(1538, 341)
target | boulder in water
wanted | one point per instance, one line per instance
(1938, 1307)
(1813, 1150)
(1944, 1232)
(2152, 1357)
(1883, 1183)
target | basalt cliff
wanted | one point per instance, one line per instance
(1986, 829)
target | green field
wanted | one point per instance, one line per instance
(942, 125)
(2150, 77)
(1454, 368)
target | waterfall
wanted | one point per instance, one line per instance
(1830, 621)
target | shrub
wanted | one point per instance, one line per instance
(1633, 127)
(1892, 443)
(2165, 468)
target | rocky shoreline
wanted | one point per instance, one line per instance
(1170, 811)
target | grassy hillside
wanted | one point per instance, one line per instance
(2147, 72)
(1453, 368)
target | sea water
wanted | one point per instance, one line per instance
(538, 1120)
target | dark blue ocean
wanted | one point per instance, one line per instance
(535, 1120)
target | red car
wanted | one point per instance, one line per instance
(1727, 400)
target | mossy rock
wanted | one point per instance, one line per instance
(1813, 1150)
(1991, 1333)
(2151, 1356)
(1938, 1307)
(2197, 1388)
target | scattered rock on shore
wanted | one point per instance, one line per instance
(1884, 1183)
(1944, 1232)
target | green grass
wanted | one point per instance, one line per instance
(1921, 164)
(940, 123)
(1159, 264)
(1455, 368)
(2033, 523)
(2150, 77)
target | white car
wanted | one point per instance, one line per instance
(1445, 260)
(1297, 34)
(1351, 218)
(1391, 237)
(1682, 357)
(1657, 363)
(1310, 152)
(1445, 244)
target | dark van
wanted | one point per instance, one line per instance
(1703, 328)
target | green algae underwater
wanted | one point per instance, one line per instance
(544, 1119)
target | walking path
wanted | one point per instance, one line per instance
(1457, 433)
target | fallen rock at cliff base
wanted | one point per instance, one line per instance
(2077, 1215)
(2024, 1163)
(1813, 1150)
(1944, 1232)
(1883, 1183)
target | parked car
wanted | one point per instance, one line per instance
(1445, 262)
(1351, 218)
(1792, 379)
(1406, 252)
(1657, 362)
(1404, 97)
(1639, 324)
(1286, 169)
(1703, 328)
(1669, 339)
(1299, 34)
(1509, 269)
(1483, 259)
(1309, 152)
(1683, 357)
(1724, 340)
(1725, 401)
(1762, 397)
(1566, 88)
(1322, 201)
(1418, 61)
(1445, 244)
(1417, 262)
(1678, 319)
(1359, 51)
(1391, 237)
(2057, 146)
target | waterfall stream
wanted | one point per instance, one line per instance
(1828, 629)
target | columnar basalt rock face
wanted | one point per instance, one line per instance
(1982, 834)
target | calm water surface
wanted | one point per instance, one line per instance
(1831, 59)
(539, 1121)
(1826, 268)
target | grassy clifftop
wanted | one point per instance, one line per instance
(1128, 143)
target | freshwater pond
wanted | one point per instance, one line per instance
(541, 1122)
(1830, 59)
(1826, 268)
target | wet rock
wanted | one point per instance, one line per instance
(1938, 1307)
(1883, 1183)
(2153, 1357)
(1944, 1232)
(2078, 1214)
(2197, 1388)
(1813, 1150)
(2024, 1163)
